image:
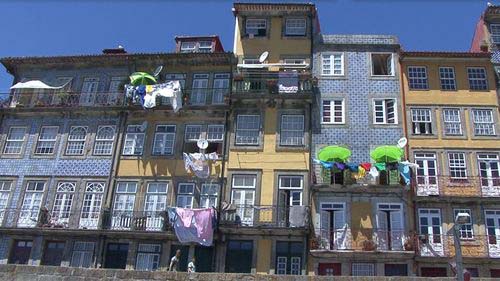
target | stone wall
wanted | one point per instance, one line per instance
(52, 273)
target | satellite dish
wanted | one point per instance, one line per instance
(402, 142)
(263, 57)
(202, 144)
(157, 71)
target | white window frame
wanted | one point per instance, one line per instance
(104, 145)
(188, 47)
(156, 200)
(209, 192)
(294, 190)
(477, 79)
(31, 204)
(5, 189)
(421, 80)
(452, 126)
(296, 61)
(392, 70)
(447, 78)
(191, 130)
(421, 115)
(133, 144)
(495, 33)
(482, 127)
(188, 196)
(205, 49)
(457, 164)
(162, 137)
(331, 68)
(63, 201)
(257, 23)
(83, 253)
(213, 132)
(48, 144)
(256, 137)
(294, 139)
(295, 27)
(148, 257)
(199, 89)
(333, 111)
(76, 146)
(363, 269)
(14, 146)
(385, 112)
(92, 205)
(466, 231)
(221, 85)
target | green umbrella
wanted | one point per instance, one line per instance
(334, 153)
(142, 78)
(387, 154)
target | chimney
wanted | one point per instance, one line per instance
(114, 51)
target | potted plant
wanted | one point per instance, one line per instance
(369, 245)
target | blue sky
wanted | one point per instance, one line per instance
(39, 28)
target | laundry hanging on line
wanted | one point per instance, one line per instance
(146, 95)
(193, 225)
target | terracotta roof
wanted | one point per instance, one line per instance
(445, 54)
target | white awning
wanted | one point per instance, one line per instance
(34, 84)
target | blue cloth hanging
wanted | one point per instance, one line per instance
(352, 167)
(404, 171)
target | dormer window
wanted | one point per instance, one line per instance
(295, 27)
(188, 47)
(495, 33)
(205, 47)
(256, 28)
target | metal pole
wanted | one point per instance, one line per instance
(458, 253)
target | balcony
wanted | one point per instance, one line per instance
(32, 99)
(363, 240)
(442, 245)
(138, 221)
(271, 83)
(459, 187)
(265, 216)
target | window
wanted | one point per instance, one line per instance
(289, 257)
(124, 204)
(457, 165)
(76, 140)
(164, 140)
(248, 130)
(333, 111)
(199, 89)
(382, 65)
(427, 169)
(251, 61)
(188, 47)
(47, 140)
(489, 171)
(390, 226)
(115, 83)
(91, 208)
(332, 64)
(104, 140)
(208, 195)
(177, 77)
(292, 130)
(243, 196)
(82, 254)
(421, 121)
(134, 140)
(15, 140)
(256, 27)
(192, 134)
(290, 194)
(5, 187)
(452, 123)
(477, 78)
(221, 87)
(466, 231)
(447, 78)
(493, 227)
(185, 194)
(295, 27)
(495, 33)
(483, 122)
(363, 269)
(155, 204)
(205, 47)
(417, 78)
(32, 202)
(215, 137)
(214, 134)
(384, 111)
(294, 61)
(62, 202)
(148, 257)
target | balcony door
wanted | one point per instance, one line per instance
(431, 240)
(89, 91)
(243, 196)
(290, 195)
(426, 174)
(116, 255)
(493, 231)
(333, 226)
(390, 227)
(91, 208)
(489, 171)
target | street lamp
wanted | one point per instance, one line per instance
(460, 219)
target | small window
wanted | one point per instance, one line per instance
(417, 78)
(188, 47)
(76, 140)
(104, 140)
(215, 137)
(208, 195)
(148, 257)
(452, 123)
(292, 130)
(457, 165)
(291, 182)
(477, 78)
(384, 111)
(82, 254)
(164, 140)
(447, 78)
(47, 140)
(192, 134)
(185, 195)
(134, 140)
(382, 65)
(35, 186)
(295, 27)
(244, 181)
(363, 269)
(294, 61)
(421, 121)
(251, 61)
(483, 122)
(15, 140)
(205, 47)
(495, 33)
(256, 27)
(466, 231)
(333, 111)
(332, 64)
(248, 130)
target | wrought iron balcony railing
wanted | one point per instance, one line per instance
(348, 178)
(265, 216)
(269, 83)
(460, 187)
(138, 221)
(442, 245)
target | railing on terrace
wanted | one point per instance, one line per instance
(347, 178)
(368, 239)
(265, 216)
(138, 220)
(442, 245)
(461, 187)
(271, 83)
